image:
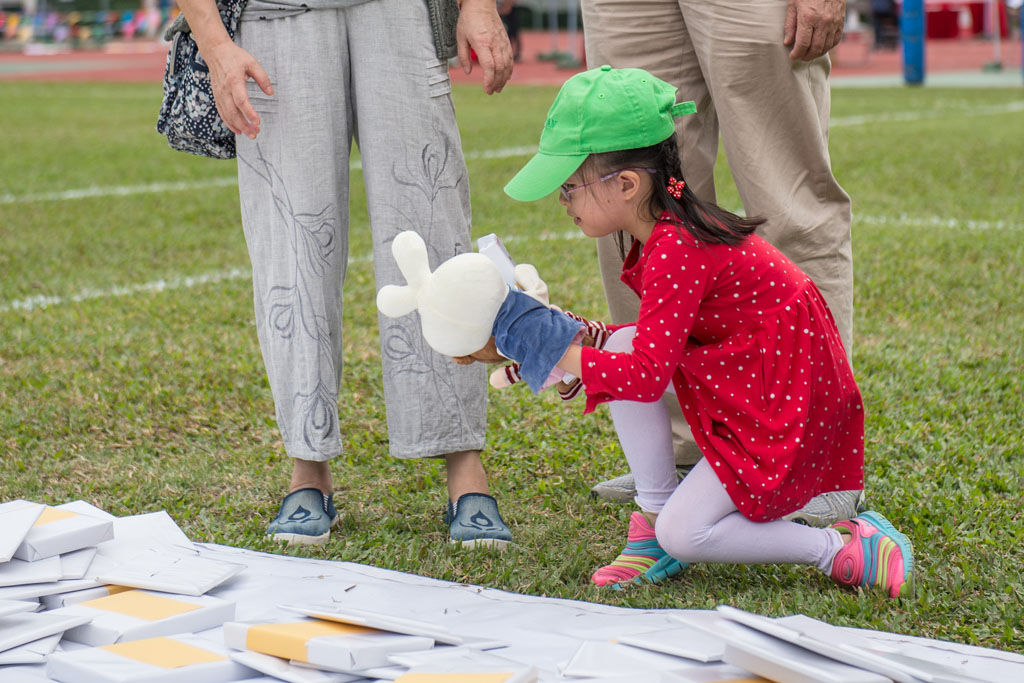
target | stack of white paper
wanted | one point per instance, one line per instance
(137, 614)
(780, 661)
(284, 670)
(462, 663)
(16, 519)
(17, 606)
(18, 629)
(167, 660)
(168, 568)
(334, 646)
(61, 530)
(594, 659)
(815, 638)
(74, 597)
(520, 675)
(383, 622)
(34, 652)
(75, 564)
(679, 641)
(21, 573)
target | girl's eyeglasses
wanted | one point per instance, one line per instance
(566, 191)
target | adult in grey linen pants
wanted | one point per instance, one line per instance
(758, 72)
(323, 73)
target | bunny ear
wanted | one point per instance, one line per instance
(394, 301)
(410, 254)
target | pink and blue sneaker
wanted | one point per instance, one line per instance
(877, 556)
(642, 560)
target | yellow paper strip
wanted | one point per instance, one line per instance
(51, 514)
(135, 603)
(163, 652)
(289, 640)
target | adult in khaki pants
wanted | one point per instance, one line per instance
(758, 72)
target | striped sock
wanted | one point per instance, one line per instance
(640, 554)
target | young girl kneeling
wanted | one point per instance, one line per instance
(730, 325)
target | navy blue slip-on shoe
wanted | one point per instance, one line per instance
(474, 520)
(306, 516)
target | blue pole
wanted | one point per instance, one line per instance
(912, 31)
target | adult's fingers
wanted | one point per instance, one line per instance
(230, 68)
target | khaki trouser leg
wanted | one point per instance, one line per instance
(773, 113)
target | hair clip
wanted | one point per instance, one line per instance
(675, 187)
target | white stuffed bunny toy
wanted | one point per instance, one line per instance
(459, 301)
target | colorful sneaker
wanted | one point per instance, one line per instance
(641, 561)
(474, 520)
(306, 516)
(830, 507)
(878, 555)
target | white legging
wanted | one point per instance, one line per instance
(697, 521)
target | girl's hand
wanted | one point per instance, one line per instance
(488, 354)
(230, 67)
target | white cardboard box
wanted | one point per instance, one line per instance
(185, 659)
(60, 530)
(137, 614)
(338, 647)
(16, 518)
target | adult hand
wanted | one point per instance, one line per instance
(480, 30)
(488, 354)
(230, 67)
(813, 27)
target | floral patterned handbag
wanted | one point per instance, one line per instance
(188, 113)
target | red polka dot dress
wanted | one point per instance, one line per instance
(757, 363)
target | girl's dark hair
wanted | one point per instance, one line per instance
(706, 221)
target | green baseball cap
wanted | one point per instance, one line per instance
(600, 110)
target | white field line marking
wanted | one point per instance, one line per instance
(222, 181)
(187, 282)
(902, 116)
(500, 153)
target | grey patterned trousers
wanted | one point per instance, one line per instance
(369, 73)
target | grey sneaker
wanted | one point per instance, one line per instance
(474, 520)
(825, 509)
(306, 516)
(623, 489)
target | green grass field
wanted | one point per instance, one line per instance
(130, 376)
